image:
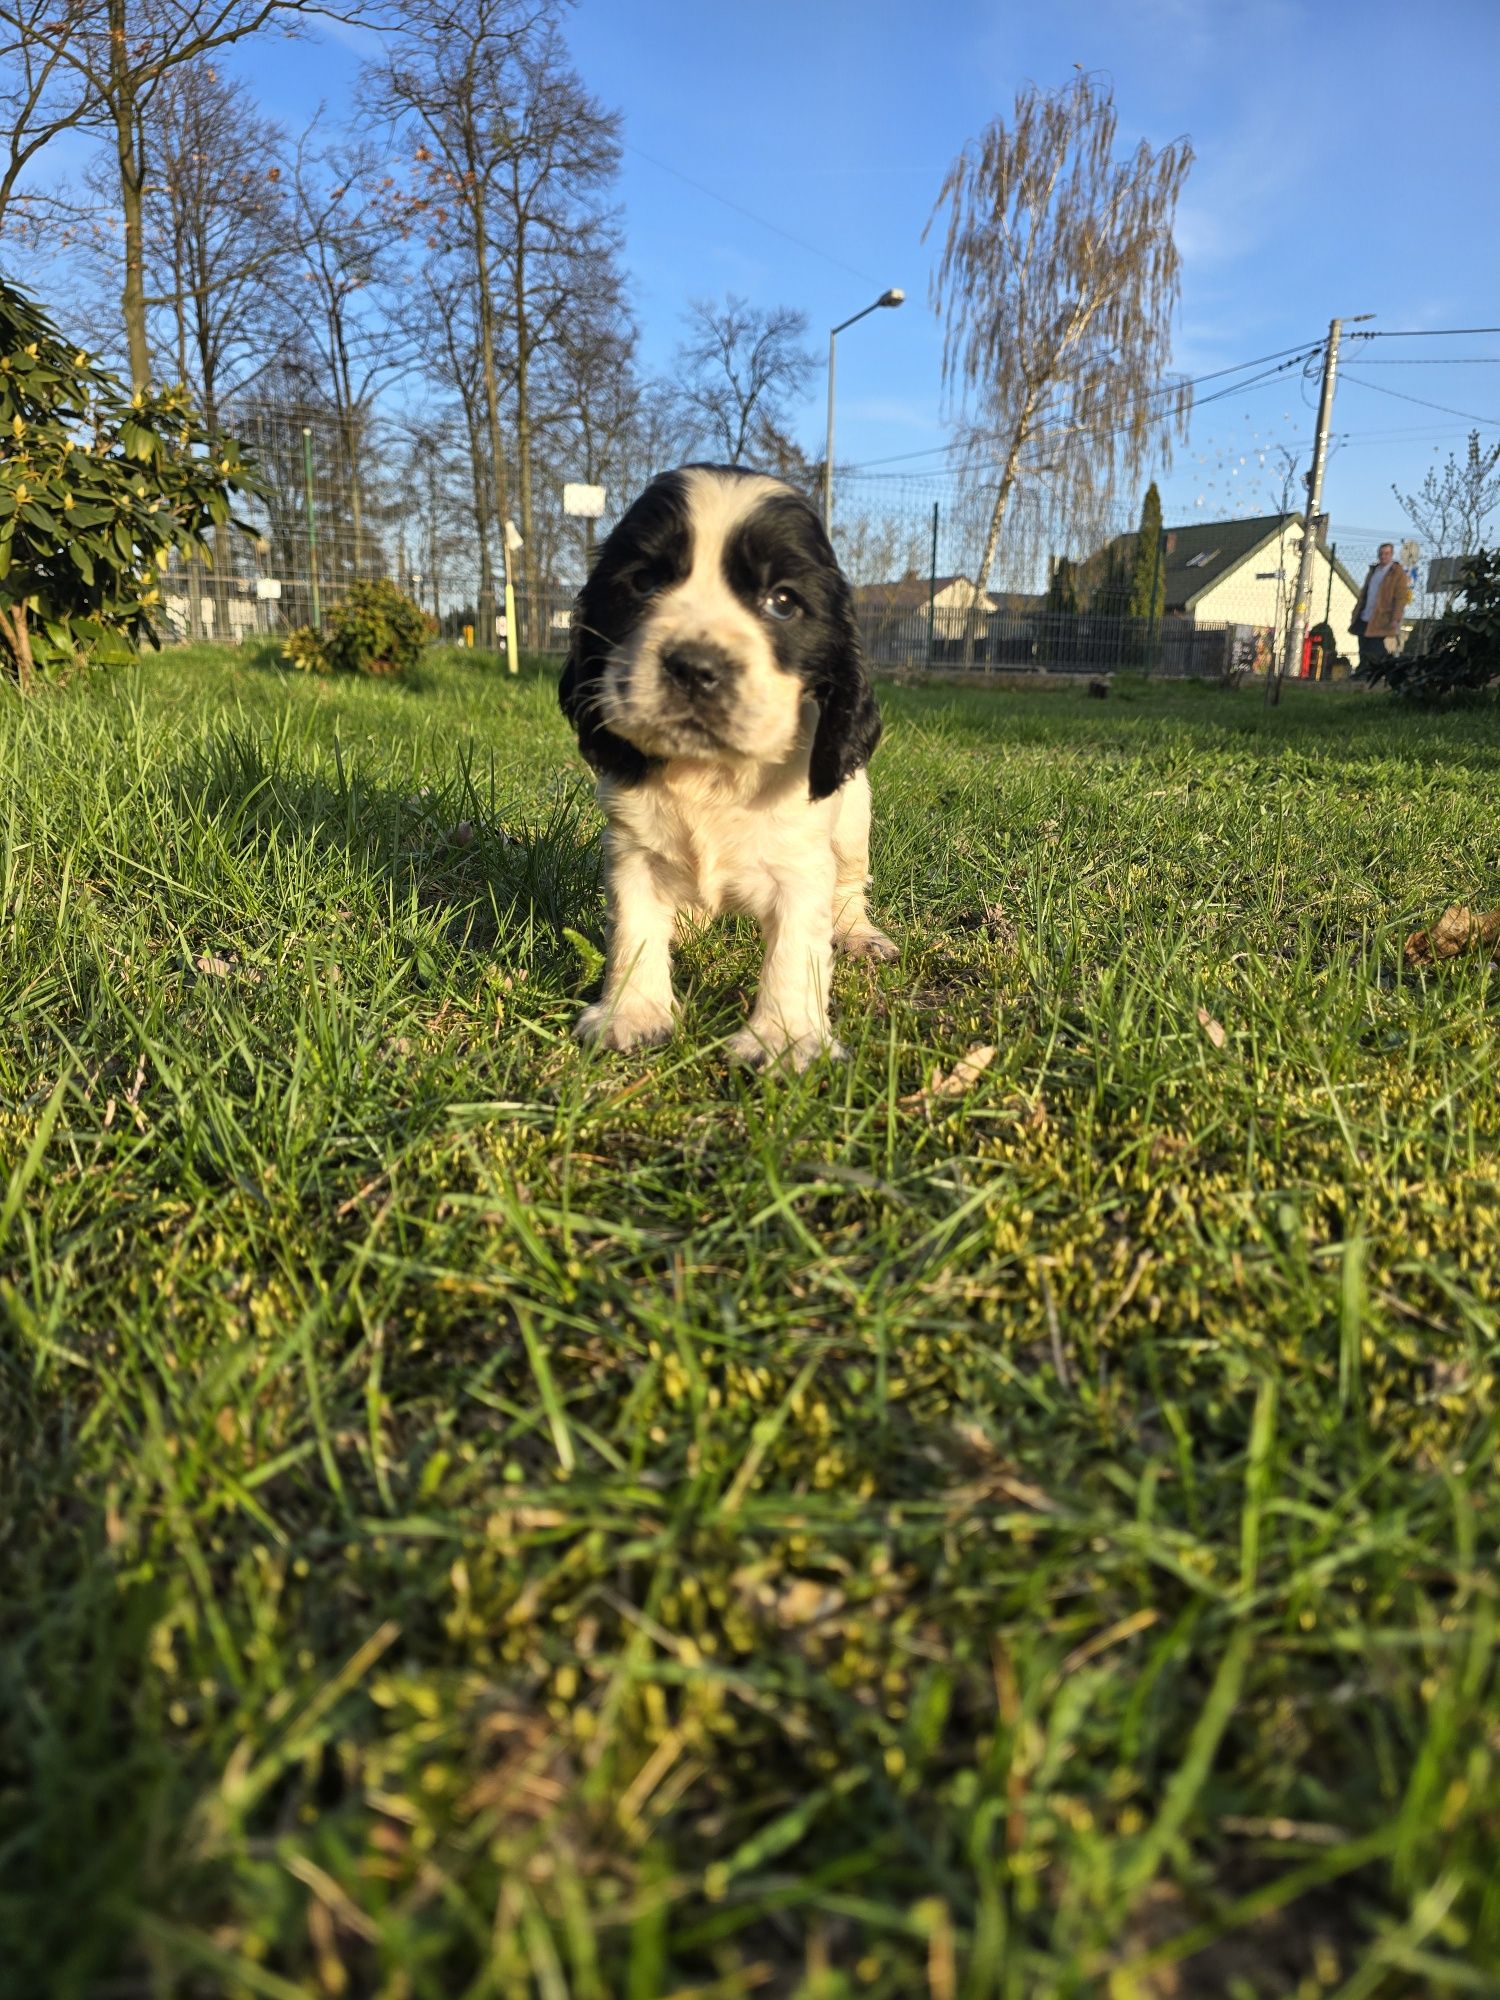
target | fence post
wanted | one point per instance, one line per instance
(1151, 629)
(312, 526)
(932, 586)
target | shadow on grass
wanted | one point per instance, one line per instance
(485, 874)
(427, 677)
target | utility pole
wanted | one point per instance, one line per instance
(1291, 662)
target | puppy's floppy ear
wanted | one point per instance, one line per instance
(578, 692)
(848, 720)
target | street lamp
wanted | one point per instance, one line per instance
(893, 297)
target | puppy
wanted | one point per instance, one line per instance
(717, 686)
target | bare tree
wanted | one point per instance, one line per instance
(214, 242)
(1451, 508)
(595, 404)
(1056, 286)
(215, 237)
(559, 245)
(740, 368)
(105, 61)
(447, 83)
(341, 300)
(446, 328)
(41, 97)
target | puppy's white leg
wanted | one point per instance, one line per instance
(636, 1005)
(853, 932)
(789, 1021)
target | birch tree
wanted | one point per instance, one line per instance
(1056, 287)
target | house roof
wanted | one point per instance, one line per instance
(1202, 553)
(907, 593)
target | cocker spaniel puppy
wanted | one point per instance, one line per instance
(717, 686)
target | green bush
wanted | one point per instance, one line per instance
(1464, 657)
(99, 489)
(304, 649)
(376, 630)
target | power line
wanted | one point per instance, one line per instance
(1421, 332)
(749, 213)
(1414, 430)
(1401, 396)
(1423, 361)
(1298, 356)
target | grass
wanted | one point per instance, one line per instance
(478, 1518)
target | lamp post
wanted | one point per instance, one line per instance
(893, 297)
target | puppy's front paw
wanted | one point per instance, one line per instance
(864, 941)
(775, 1048)
(624, 1024)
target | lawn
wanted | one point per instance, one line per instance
(483, 1518)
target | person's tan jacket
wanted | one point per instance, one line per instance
(1395, 595)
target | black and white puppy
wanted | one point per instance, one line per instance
(717, 685)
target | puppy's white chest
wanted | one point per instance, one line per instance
(711, 849)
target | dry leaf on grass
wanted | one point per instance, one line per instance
(209, 965)
(965, 1073)
(1212, 1028)
(1456, 930)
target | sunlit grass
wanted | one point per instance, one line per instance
(478, 1518)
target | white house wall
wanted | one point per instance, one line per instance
(1248, 597)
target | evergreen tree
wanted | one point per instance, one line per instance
(1148, 582)
(1062, 591)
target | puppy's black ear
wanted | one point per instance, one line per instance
(848, 720)
(578, 691)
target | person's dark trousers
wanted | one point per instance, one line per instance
(1372, 651)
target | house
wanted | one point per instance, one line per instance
(1245, 573)
(893, 617)
(1231, 580)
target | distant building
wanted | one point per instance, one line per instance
(1245, 573)
(893, 616)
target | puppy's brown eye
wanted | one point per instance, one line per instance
(782, 604)
(646, 582)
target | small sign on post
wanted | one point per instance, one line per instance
(584, 502)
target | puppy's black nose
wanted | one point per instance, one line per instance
(697, 670)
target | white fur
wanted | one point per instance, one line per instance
(726, 825)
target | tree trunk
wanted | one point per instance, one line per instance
(472, 403)
(992, 539)
(485, 611)
(530, 569)
(128, 156)
(498, 482)
(14, 631)
(220, 536)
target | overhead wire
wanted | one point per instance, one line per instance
(1298, 355)
(1402, 397)
(739, 208)
(1417, 332)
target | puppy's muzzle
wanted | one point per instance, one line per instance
(700, 672)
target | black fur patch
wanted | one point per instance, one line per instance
(649, 546)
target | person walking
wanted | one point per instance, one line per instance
(1382, 600)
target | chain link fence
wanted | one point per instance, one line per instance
(348, 497)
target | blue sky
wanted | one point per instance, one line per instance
(1348, 157)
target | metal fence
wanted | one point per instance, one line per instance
(344, 498)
